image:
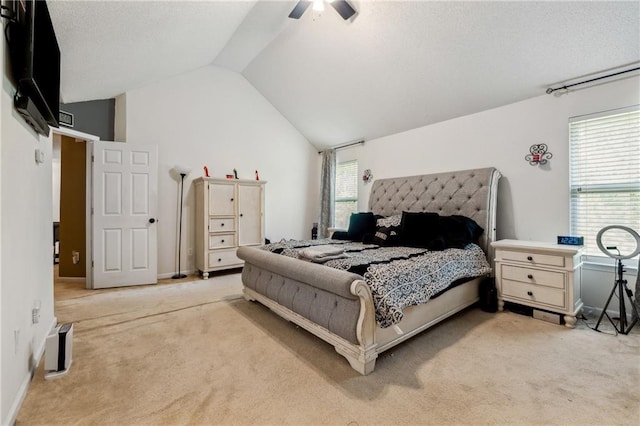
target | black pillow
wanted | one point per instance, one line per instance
(361, 224)
(421, 230)
(387, 236)
(340, 235)
(458, 231)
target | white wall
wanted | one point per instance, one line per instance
(214, 117)
(26, 262)
(533, 200)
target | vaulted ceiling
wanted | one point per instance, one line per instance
(394, 66)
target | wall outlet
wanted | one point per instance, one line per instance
(190, 251)
(75, 256)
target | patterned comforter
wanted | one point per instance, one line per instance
(398, 276)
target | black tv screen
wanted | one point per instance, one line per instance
(35, 56)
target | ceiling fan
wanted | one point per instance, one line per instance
(341, 6)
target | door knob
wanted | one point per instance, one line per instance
(152, 220)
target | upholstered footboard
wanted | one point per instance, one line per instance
(335, 305)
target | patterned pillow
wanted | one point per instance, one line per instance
(388, 231)
(386, 236)
(389, 221)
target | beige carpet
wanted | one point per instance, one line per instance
(193, 353)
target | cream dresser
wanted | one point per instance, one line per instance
(540, 275)
(229, 214)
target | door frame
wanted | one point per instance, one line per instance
(87, 138)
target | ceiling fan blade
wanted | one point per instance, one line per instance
(297, 11)
(343, 8)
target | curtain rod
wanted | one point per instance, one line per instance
(346, 145)
(550, 90)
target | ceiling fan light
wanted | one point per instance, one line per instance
(318, 5)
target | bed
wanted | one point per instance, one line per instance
(338, 306)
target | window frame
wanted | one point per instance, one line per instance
(578, 188)
(350, 199)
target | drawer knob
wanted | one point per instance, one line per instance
(529, 258)
(530, 293)
(528, 276)
(241, 215)
(222, 241)
(232, 200)
(222, 224)
(219, 260)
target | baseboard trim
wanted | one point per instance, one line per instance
(24, 387)
(170, 274)
(74, 279)
(595, 311)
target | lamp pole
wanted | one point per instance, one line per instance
(178, 273)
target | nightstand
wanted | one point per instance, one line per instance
(540, 275)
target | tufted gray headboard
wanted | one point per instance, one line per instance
(472, 193)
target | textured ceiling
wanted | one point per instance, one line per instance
(110, 47)
(395, 66)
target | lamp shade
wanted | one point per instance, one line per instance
(182, 170)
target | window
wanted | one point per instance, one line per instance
(346, 193)
(605, 177)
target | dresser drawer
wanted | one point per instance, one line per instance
(532, 258)
(224, 258)
(227, 224)
(533, 276)
(221, 241)
(529, 293)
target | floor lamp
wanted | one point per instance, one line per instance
(182, 171)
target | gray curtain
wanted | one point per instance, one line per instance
(327, 192)
(636, 299)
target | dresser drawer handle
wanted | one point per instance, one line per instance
(528, 276)
(529, 258)
(530, 293)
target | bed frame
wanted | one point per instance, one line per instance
(337, 306)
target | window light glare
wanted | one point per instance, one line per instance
(318, 5)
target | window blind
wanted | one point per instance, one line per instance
(605, 177)
(346, 199)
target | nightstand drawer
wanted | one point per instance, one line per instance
(227, 224)
(533, 276)
(533, 293)
(222, 258)
(532, 258)
(221, 240)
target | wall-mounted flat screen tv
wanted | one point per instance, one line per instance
(35, 59)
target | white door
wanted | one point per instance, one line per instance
(249, 215)
(125, 199)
